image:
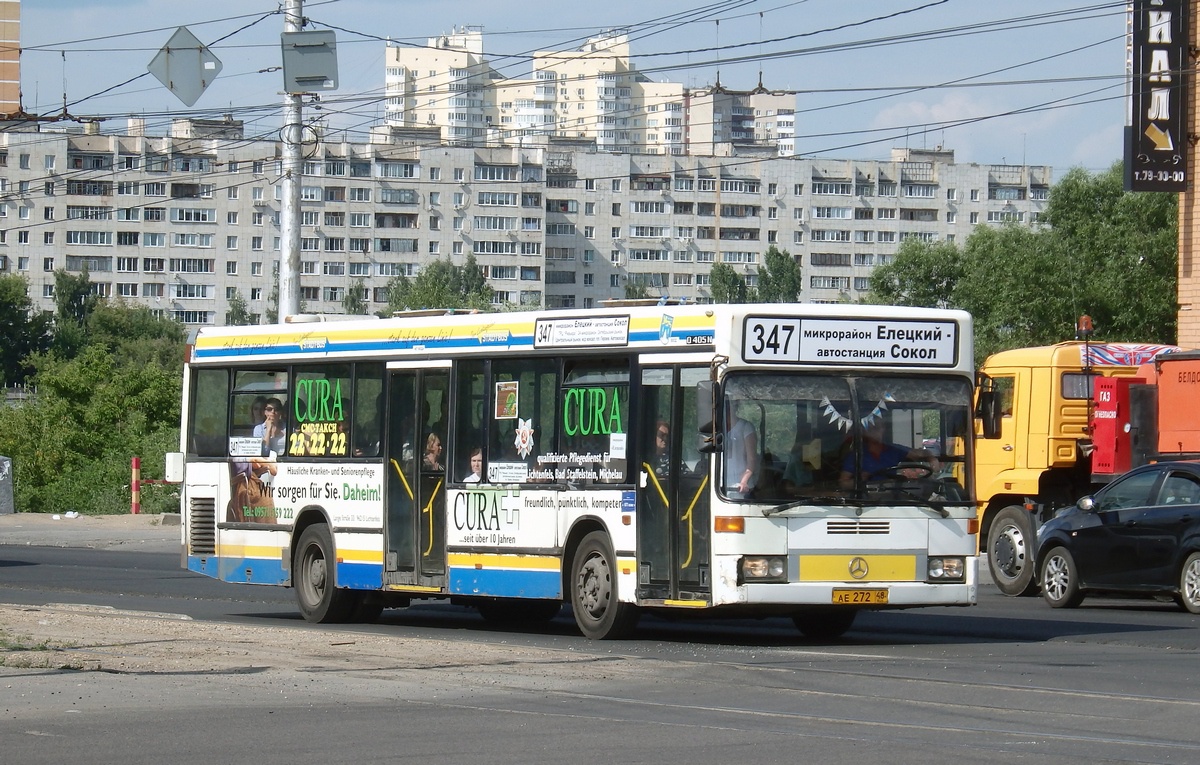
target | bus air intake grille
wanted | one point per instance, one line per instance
(858, 527)
(202, 525)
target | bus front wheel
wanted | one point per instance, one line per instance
(1010, 552)
(598, 612)
(320, 601)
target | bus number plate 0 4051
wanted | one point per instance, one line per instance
(860, 597)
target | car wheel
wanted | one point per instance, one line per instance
(1060, 579)
(1189, 584)
(1009, 553)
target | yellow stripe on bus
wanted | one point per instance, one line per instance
(492, 560)
(858, 568)
(275, 553)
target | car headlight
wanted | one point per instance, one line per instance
(947, 568)
(764, 568)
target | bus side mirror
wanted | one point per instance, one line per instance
(987, 408)
(706, 417)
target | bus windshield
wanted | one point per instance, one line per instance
(815, 439)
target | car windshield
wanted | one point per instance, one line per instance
(818, 439)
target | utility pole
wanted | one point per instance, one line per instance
(293, 168)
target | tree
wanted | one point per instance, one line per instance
(238, 314)
(728, 286)
(780, 280)
(440, 284)
(355, 301)
(922, 274)
(25, 330)
(635, 289)
(74, 302)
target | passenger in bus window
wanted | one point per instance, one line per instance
(662, 449)
(433, 453)
(272, 429)
(476, 461)
(741, 454)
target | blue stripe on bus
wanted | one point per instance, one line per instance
(356, 576)
(384, 345)
(506, 583)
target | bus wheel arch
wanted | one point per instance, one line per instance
(314, 573)
(591, 585)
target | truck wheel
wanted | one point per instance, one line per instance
(1010, 552)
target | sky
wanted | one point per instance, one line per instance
(1037, 82)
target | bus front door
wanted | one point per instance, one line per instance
(415, 527)
(674, 547)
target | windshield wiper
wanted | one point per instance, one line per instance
(814, 500)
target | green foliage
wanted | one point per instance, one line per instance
(922, 274)
(440, 284)
(238, 314)
(118, 397)
(24, 329)
(355, 301)
(636, 290)
(728, 286)
(780, 280)
(1108, 253)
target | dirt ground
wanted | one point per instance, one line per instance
(100, 639)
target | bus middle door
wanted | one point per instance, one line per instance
(415, 526)
(674, 515)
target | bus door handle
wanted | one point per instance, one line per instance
(1007, 447)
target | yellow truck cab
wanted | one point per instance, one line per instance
(1033, 443)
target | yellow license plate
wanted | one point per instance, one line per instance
(860, 597)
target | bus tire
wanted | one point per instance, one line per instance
(315, 579)
(598, 612)
(1010, 552)
(824, 623)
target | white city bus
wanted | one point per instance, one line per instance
(713, 460)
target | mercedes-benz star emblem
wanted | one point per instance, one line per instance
(858, 568)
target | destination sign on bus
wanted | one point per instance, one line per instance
(775, 339)
(590, 331)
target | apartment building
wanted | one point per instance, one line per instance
(591, 93)
(183, 222)
(10, 56)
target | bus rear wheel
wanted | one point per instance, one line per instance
(598, 612)
(315, 579)
(826, 623)
(1010, 553)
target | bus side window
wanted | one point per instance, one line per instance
(368, 410)
(210, 391)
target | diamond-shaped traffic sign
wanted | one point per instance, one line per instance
(185, 66)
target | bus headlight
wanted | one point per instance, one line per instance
(947, 568)
(764, 568)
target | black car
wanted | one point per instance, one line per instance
(1138, 535)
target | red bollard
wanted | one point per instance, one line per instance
(136, 506)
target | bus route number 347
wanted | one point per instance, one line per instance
(771, 339)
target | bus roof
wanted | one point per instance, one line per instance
(655, 328)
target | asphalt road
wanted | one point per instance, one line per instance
(1008, 681)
